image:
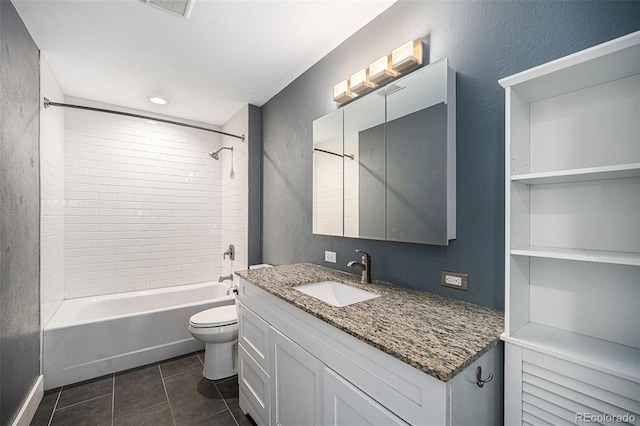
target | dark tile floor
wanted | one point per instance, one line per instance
(171, 393)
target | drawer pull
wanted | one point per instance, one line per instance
(479, 381)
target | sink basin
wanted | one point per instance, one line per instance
(336, 294)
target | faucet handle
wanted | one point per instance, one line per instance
(366, 266)
(364, 254)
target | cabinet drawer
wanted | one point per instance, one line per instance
(559, 391)
(254, 385)
(253, 335)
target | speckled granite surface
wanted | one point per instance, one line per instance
(434, 334)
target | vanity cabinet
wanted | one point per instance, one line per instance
(295, 369)
(572, 254)
(294, 387)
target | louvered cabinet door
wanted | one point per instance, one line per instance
(559, 392)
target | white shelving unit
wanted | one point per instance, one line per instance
(572, 314)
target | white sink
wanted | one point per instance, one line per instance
(336, 294)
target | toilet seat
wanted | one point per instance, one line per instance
(215, 317)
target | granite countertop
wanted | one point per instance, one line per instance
(434, 334)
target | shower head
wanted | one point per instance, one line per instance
(215, 154)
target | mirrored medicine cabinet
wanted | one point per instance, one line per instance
(384, 165)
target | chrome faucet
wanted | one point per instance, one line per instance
(226, 277)
(231, 252)
(365, 265)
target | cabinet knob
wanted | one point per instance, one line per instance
(479, 381)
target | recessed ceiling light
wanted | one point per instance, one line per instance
(157, 100)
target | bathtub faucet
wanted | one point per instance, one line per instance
(231, 252)
(225, 278)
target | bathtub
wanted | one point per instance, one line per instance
(93, 336)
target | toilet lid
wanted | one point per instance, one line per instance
(215, 317)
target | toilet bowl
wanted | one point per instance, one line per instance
(218, 329)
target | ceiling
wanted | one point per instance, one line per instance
(227, 54)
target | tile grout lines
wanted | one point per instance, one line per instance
(217, 384)
(54, 407)
(219, 393)
(227, 405)
(113, 397)
(164, 386)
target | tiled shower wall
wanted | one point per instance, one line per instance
(51, 196)
(329, 189)
(143, 205)
(337, 188)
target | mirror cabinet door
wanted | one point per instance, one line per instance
(416, 156)
(364, 176)
(384, 165)
(328, 173)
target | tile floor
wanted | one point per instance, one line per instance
(171, 393)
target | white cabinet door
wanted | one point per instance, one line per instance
(346, 405)
(296, 384)
(254, 388)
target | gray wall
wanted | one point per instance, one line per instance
(254, 253)
(484, 41)
(19, 213)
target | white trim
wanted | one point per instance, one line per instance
(617, 171)
(28, 410)
(577, 58)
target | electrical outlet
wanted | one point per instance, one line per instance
(330, 256)
(457, 281)
(454, 280)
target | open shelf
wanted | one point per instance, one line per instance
(600, 256)
(620, 171)
(572, 230)
(601, 355)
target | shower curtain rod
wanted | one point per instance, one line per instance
(48, 103)
(351, 156)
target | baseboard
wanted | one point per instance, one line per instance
(28, 410)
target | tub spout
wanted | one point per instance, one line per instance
(225, 278)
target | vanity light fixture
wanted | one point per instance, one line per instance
(342, 92)
(407, 56)
(158, 101)
(402, 59)
(380, 70)
(360, 83)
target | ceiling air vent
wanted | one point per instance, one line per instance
(180, 8)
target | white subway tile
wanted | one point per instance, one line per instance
(156, 199)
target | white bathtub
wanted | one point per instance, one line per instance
(94, 336)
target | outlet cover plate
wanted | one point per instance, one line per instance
(454, 280)
(330, 256)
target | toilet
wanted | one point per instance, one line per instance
(218, 328)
